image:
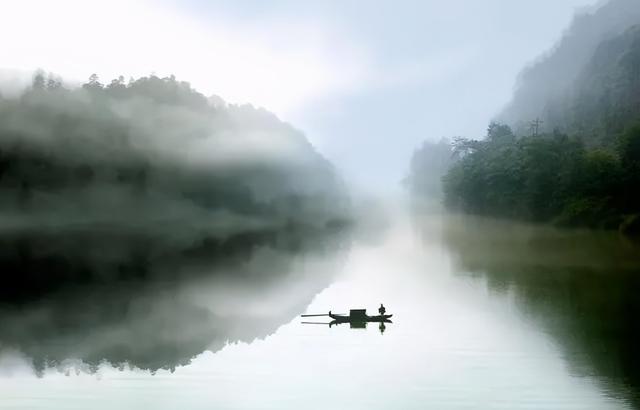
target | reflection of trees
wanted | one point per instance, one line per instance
(582, 287)
(142, 301)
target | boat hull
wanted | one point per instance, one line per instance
(344, 318)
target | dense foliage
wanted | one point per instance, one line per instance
(547, 178)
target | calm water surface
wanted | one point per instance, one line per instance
(487, 315)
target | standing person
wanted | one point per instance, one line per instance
(381, 309)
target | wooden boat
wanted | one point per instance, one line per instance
(357, 319)
(359, 315)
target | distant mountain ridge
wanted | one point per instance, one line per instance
(591, 53)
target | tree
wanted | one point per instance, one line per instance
(117, 87)
(93, 84)
(38, 82)
(498, 131)
(53, 83)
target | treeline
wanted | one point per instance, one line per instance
(547, 178)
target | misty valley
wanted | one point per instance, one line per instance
(163, 246)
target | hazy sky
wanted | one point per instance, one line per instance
(366, 81)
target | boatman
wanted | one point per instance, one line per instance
(381, 309)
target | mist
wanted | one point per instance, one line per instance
(295, 205)
(154, 145)
(554, 87)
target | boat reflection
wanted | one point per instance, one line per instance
(362, 324)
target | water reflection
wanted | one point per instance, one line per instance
(456, 343)
(362, 325)
(580, 287)
(78, 298)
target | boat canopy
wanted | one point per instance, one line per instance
(355, 313)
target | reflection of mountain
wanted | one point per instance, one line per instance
(151, 303)
(582, 287)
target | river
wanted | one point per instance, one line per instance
(487, 315)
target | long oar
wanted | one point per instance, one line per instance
(323, 314)
(314, 323)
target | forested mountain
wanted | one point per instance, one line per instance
(590, 64)
(154, 148)
(567, 148)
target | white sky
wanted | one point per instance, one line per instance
(366, 81)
